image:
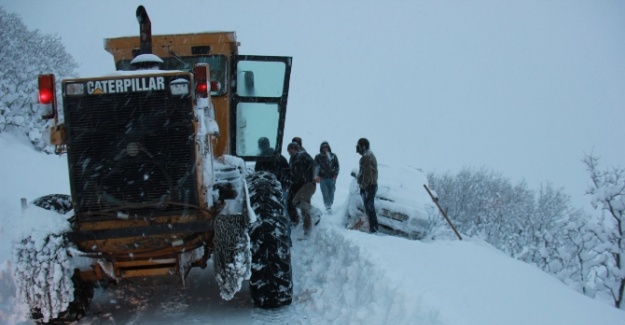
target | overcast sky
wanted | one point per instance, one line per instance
(525, 88)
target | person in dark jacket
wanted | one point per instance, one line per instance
(302, 185)
(264, 147)
(298, 140)
(326, 172)
(368, 181)
(275, 164)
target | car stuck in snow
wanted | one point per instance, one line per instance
(402, 204)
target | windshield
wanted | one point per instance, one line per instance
(217, 63)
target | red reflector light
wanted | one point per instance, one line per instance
(45, 96)
(215, 86)
(46, 89)
(201, 88)
(200, 72)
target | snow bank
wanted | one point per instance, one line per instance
(344, 284)
(28, 174)
(351, 277)
(25, 173)
(10, 311)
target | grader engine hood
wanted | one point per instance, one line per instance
(131, 144)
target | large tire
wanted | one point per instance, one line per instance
(271, 282)
(60, 203)
(48, 282)
(77, 309)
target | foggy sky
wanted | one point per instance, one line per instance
(525, 88)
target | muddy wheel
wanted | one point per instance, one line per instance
(61, 203)
(271, 282)
(77, 309)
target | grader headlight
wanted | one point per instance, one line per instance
(75, 89)
(179, 87)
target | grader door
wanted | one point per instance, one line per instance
(258, 103)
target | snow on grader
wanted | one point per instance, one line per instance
(156, 156)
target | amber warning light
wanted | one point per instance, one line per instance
(46, 89)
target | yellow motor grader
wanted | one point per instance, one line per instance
(156, 155)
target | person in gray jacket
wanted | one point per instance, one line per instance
(368, 181)
(326, 172)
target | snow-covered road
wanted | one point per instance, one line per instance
(333, 284)
(340, 276)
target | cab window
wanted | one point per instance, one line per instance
(256, 121)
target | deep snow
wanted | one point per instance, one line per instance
(340, 276)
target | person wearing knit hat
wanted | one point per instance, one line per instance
(326, 172)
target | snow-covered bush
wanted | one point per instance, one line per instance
(24, 55)
(540, 228)
(607, 190)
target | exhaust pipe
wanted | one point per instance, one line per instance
(145, 31)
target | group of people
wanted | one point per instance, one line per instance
(300, 175)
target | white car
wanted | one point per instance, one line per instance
(402, 204)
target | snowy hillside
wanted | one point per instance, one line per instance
(340, 276)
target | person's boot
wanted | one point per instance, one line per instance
(307, 222)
